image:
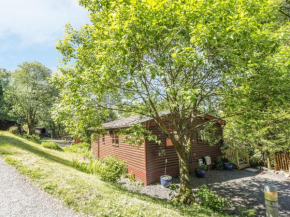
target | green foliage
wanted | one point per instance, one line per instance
(11, 161)
(112, 169)
(109, 169)
(131, 178)
(80, 148)
(202, 167)
(51, 145)
(30, 94)
(137, 134)
(173, 187)
(14, 130)
(244, 212)
(219, 164)
(33, 138)
(210, 199)
(4, 81)
(255, 157)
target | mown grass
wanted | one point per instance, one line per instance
(53, 172)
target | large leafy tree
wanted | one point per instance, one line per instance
(184, 56)
(263, 102)
(30, 94)
(4, 81)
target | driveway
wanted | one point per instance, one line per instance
(242, 187)
(246, 188)
(19, 197)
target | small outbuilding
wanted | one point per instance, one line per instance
(6, 124)
(145, 162)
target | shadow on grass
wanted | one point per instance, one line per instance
(185, 210)
(37, 151)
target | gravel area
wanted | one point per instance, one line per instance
(19, 197)
(243, 188)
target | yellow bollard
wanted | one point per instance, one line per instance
(271, 200)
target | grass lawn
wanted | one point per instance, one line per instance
(53, 172)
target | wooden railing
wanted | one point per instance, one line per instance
(238, 156)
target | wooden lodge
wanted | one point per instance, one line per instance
(145, 162)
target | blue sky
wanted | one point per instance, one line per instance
(29, 29)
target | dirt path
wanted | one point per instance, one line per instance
(18, 197)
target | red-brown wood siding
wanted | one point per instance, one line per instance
(134, 157)
(156, 163)
(145, 162)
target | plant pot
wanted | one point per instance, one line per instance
(165, 180)
(228, 167)
(199, 173)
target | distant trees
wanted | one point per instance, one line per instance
(29, 94)
(4, 81)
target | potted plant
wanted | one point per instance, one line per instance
(228, 166)
(200, 171)
(165, 180)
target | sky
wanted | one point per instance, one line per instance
(29, 30)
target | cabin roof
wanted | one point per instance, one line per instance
(129, 121)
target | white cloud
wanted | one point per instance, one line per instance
(25, 23)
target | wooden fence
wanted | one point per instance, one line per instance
(282, 161)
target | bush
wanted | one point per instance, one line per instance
(51, 145)
(80, 148)
(14, 130)
(210, 199)
(33, 138)
(219, 164)
(110, 169)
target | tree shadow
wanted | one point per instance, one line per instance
(37, 151)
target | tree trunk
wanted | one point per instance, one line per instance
(30, 129)
(185, 193)
(268, 159)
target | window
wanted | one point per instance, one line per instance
(103, 139)
(115, 139)
(201, 136)
(168, 141)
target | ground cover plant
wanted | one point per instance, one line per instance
(51, 145)
(54, 172)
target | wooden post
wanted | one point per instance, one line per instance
(248, 158)
(268, 159)
(237, 159)
(275, 162)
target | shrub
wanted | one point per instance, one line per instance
(212, 200)
(51, 145)
(110, 169)
(14, 130)
(244, 212)
(33, 138)
(219, 164)
(80, 148)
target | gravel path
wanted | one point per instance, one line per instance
(242, 187)
(19, 197)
